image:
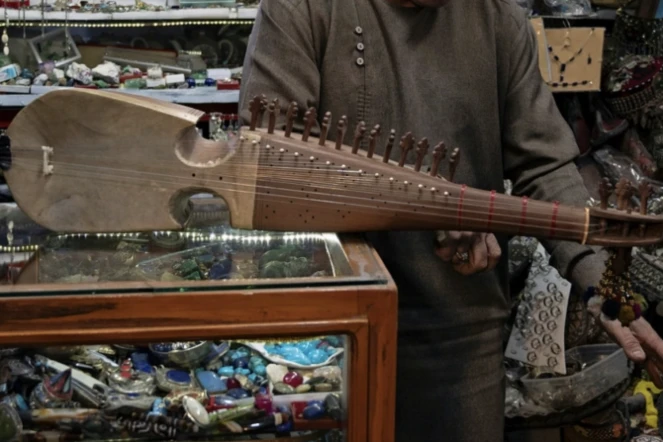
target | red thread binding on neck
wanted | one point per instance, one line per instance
(491, 208)
(553, 220)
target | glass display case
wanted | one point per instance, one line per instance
(206, 334)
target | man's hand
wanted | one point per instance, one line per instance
(640, 342)
(469, 252)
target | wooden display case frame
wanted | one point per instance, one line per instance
(365, 311)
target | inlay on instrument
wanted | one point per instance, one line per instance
(89, 161)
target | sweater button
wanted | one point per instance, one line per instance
(360, 61)
(360, 46)
(359, 30)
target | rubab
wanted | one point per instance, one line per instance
(87, 161)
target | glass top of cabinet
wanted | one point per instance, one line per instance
(208, 255)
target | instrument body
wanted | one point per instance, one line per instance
(134, 164)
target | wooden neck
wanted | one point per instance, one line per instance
(322, 189)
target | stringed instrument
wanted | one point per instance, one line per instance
(85, 161)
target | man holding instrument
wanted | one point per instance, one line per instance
(464, 72)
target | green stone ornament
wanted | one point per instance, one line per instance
(11, 426)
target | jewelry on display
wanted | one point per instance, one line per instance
(615, 295)
(572, 58)
(462, 257)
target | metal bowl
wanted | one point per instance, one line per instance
(191, 357)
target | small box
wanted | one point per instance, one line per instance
(227, 85)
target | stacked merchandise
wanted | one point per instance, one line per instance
(594, 391)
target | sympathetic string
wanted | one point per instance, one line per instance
(282, 174)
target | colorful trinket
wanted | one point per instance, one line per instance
(170, 379)
(53, 392)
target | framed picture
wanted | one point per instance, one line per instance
(57, 47)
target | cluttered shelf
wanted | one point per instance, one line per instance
(19, 96)
(157, 17)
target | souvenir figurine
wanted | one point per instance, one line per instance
(129, 381)
(53, 392)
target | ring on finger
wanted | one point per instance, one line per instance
(463, 257)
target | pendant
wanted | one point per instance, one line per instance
(129, 381)
(169, 379)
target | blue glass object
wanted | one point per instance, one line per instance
(226, 371)
(191, 82)
(221, 270)
(314, 410)
(318, 356)
(222, 401)
(179, 376)
(284, 427)
(141, 362)
(238, 393)
(241, 362)
(295, 355)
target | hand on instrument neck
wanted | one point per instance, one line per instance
(469, 252)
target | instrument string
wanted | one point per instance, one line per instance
(332, 177)
(467, 200)
(79, 171)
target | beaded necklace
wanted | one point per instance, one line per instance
(571, 59)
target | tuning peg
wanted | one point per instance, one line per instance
(453, 163)
(360, 130)
(341, 127)
(372, 140)
(290, 117)
(274, 110)
(605, 190)
(263, 108)
(422, 150)
(406, 145)
(389, 147)
(439, 153)
(254, 107)
(645, 191)
(309, 120)
(324, 128)
(623, 192)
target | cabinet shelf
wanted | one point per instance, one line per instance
(19, 96)
(172, 17)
